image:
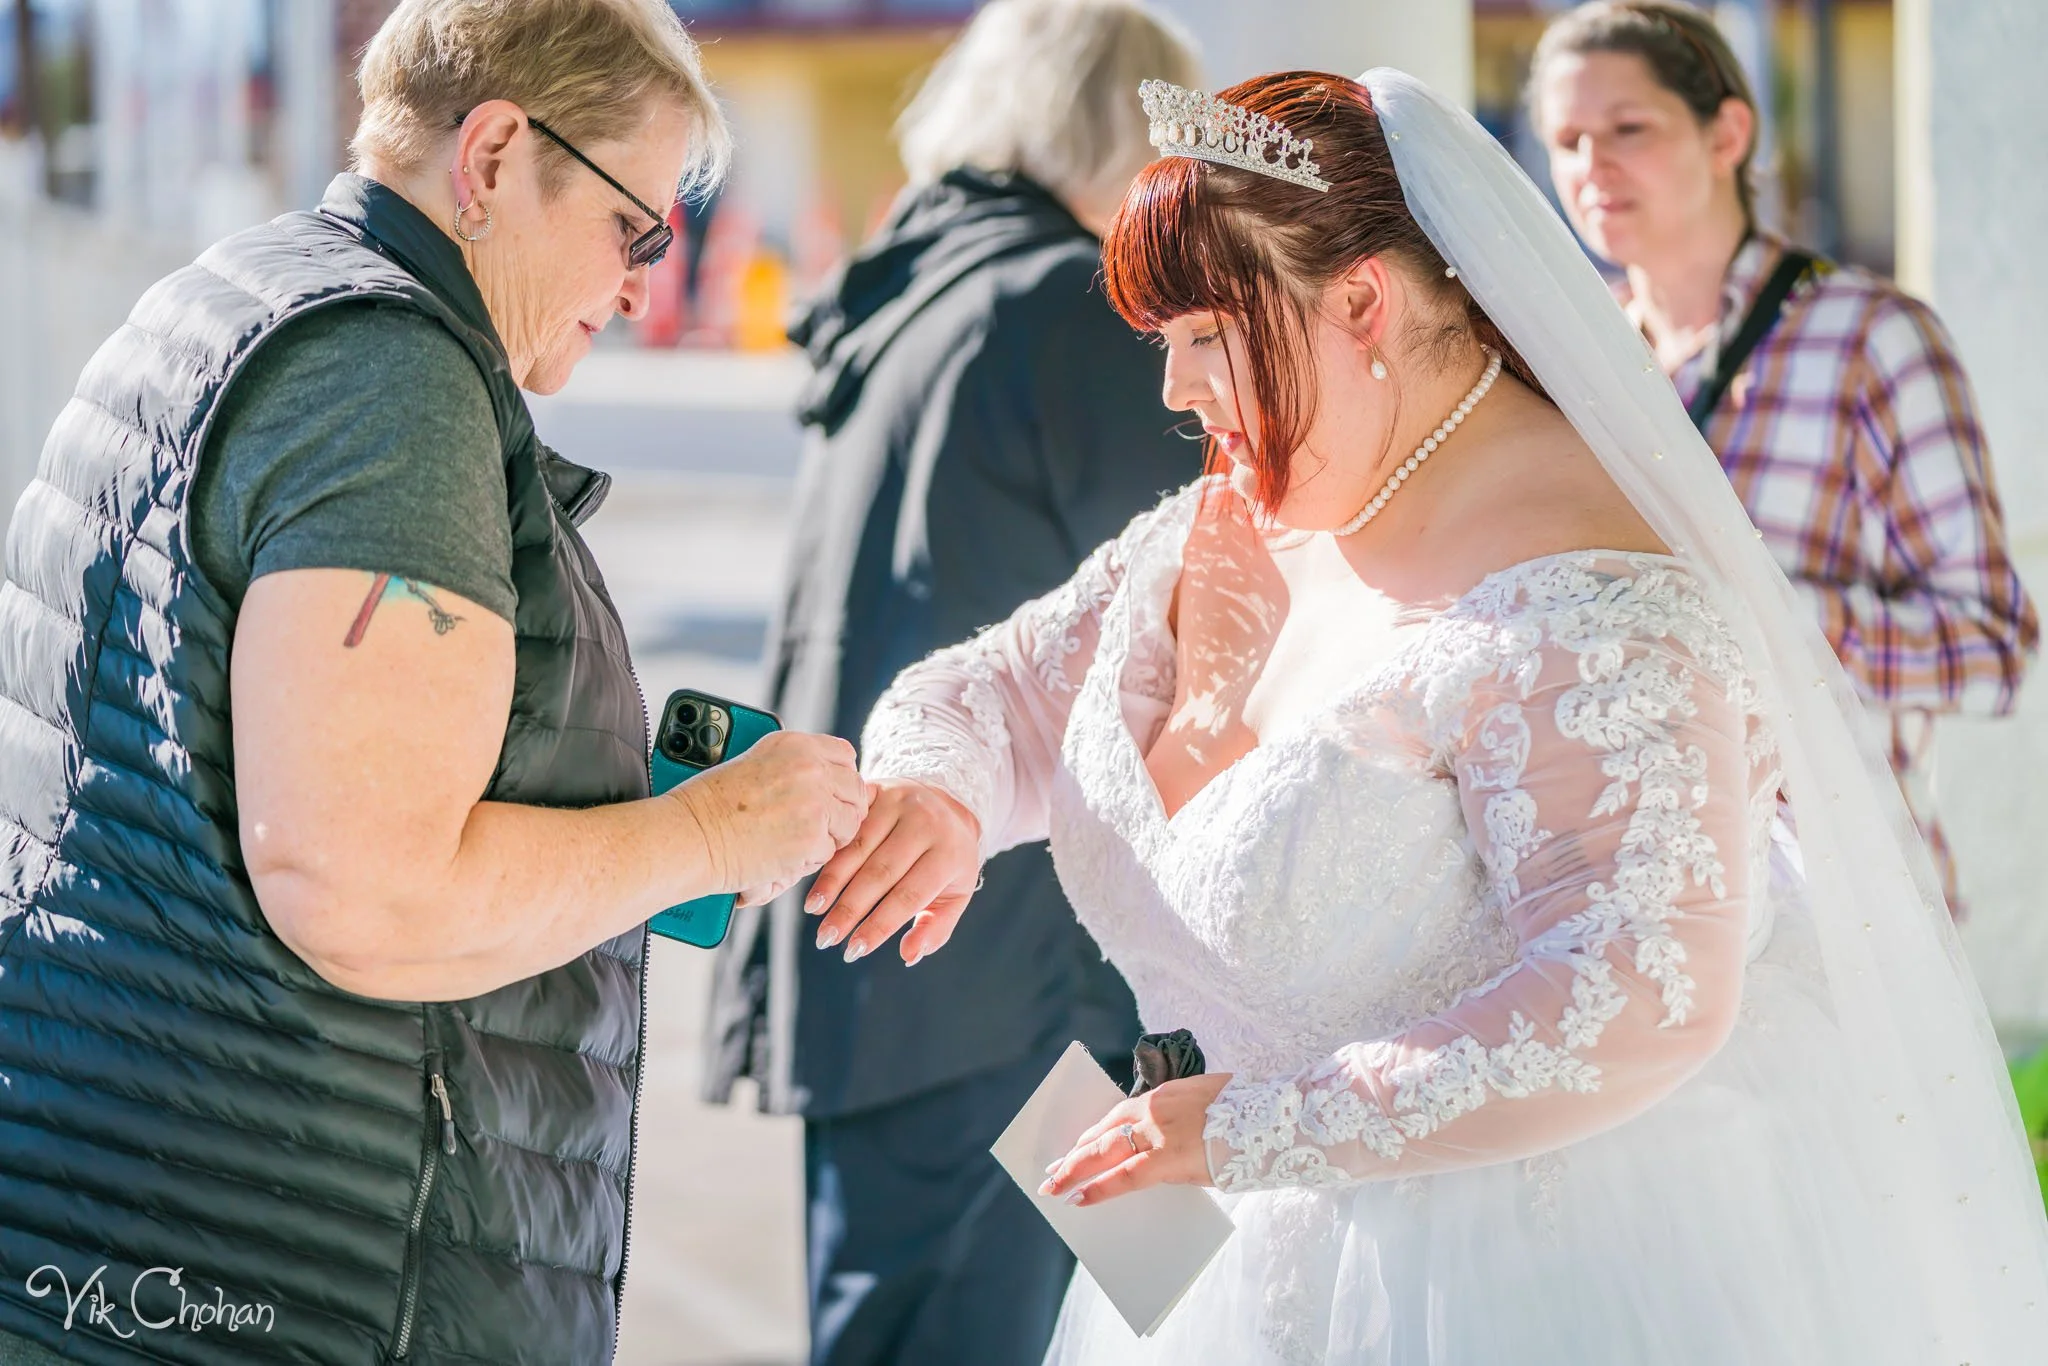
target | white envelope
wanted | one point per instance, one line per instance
(1143, 1249)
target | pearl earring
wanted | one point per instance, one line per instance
(1379, 368)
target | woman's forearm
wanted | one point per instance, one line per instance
(525, 890)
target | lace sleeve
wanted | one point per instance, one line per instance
(1611, 789)
(984, 719)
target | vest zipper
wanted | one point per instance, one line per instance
(632, 1155)
(447, 1115)
(439, 1138)
(639, 1069)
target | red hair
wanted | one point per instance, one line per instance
(1196, 237)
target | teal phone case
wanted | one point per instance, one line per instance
(702, 922)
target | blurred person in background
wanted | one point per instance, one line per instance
(979, 418)
(325, 840)
(1835, 401)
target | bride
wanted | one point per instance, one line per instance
(1438, 762)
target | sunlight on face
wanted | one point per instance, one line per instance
(1634, 169)
(1208, 376)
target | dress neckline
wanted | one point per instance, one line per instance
(1305, 723)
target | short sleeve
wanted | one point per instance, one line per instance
(360, 437)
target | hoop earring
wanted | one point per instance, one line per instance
(462, 211)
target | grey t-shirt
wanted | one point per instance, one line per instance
(360, 437)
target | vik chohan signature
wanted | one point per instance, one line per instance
(92, 1304)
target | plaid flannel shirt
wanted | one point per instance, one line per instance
(1852, 437)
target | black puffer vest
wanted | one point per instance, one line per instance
(179, 1093)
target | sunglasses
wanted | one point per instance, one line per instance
(649, 247)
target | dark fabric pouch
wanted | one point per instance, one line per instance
(1161, 1058)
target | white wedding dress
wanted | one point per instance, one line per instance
(1528, 1060)
(1549, 1045)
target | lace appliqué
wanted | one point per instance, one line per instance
(1626, 709)
(1056, 639)
(914, 730)
(1545, 1172)
(1511, 828)
(906, 738)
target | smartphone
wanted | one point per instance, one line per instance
(698, 731)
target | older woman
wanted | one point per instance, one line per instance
(979, 418)
(325, 838)
(1836, 402)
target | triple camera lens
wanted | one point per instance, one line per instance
(696, 734)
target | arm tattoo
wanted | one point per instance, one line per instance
(385, 586)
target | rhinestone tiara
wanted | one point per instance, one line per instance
(1188, 123)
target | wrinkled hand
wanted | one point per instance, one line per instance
(917, 859)
(1166, 1123)
(776, 813)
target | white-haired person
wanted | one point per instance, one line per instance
(326, 849)
(978, 419)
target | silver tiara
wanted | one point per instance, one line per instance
(1188, 123)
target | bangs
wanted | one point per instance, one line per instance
(1168, 253)
(1186, 240)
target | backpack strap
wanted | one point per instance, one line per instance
(1756, 325)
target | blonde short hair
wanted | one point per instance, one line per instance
(590, 69)
(1048, 88)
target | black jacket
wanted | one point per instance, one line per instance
(177, 1089)
(979, 421)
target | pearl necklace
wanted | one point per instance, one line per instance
(1427, 448)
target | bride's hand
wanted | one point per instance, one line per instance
(917, 859)
(1165, 1129)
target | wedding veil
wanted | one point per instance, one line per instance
(1956, 1181)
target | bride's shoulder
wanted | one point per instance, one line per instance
(1534, 488)
(1599, 604)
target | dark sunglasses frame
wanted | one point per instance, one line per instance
(649, 247)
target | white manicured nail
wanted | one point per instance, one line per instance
(856, 951)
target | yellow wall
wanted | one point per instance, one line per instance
(859, 81)
(1863, 124)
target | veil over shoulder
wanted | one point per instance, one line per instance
(1926, 1070)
